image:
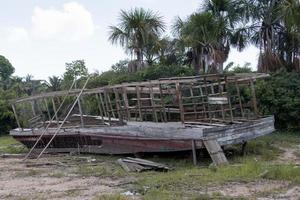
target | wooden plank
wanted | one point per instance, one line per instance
(254, 102)
(217, 100)
(16, 115)
(138, 94)
(126, 103)
(55, 111)
(152, 103)
(179, 99)
(118, 106)
(215, 151)
(194, 152)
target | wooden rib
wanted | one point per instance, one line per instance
(254, 102)
(107, 106)
(138, 94)
(99, 107)
(240, 100)
(126, 103)
(178, 94)
(16, 116)
(110, 105)
(102, 102)
(163, 104)
(48, 111)
(80, 112)
(152, 103)
(221, 92)
(118, 105)
(229, 100)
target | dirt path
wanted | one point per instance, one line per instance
(52, 182)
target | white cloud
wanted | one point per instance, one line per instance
(13, 34)
(73, 22)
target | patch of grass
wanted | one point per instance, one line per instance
(282, 138)
(284, 172)
(100, 170)
(31, 172)
(9, 145)
(111, 197)
(72, 193)
(297, 153)
(57, 175)
(189, 181)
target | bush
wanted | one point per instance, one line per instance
(280, 95)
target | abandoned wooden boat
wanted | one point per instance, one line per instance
(173, 114)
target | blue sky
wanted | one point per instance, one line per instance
(39, 37)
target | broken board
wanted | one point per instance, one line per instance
(215, 151)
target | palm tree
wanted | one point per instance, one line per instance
(275, 31)
(231, 17)
(135, 30)
(54, 83)
(200, 33)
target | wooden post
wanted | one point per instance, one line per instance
(254, 97)
(229, 100)
(239, 96)
(117, 100)
(103, 105)
(179, 98)
(55, 111)
(221, 92)
(126, 103)
(99, 106)
(80, 112)
(138, 95)
(33, 108)
(152, 102)
(193, 100)
(16, 116)
(110, 105)
(162, 103)
(48, 111)
(194, 151)
(107, 106)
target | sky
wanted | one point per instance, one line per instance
(40, 36)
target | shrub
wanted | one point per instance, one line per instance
(280, 95)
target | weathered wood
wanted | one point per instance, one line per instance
(117, 100)
(215, 151)
(179, 99)
(16, 115)
(138, 94)
(80, 112)
(194, 152)
(126, 103)
(254, 102)
(61, 125)
(152, 103)
(55, 111)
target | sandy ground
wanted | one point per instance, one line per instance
(19, 180)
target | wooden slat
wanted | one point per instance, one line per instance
(215, 151)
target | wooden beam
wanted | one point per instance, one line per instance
(194, 151)
(16, 116)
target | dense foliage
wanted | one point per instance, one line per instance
(279, 95)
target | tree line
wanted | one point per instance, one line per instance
(205, 38)
(199, 44)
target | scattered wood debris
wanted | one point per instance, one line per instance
(6, 155)
(138, 165)
(45, 164)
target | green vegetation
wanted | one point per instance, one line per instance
(187, 179)
(10, 145)
(279, 95)
(199, 44)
